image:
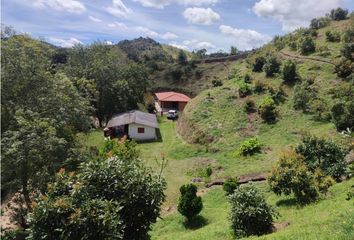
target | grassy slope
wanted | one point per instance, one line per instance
(330, 218)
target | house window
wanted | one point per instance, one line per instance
(141, 130)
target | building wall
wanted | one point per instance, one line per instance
(166, 106)
(149, 134)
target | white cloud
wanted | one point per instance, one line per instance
(119, 25)
(204, 16)
(168, 36)
(118, 9)
(109, 43)
(93, 19)
(244, 38)
(180, 46)
(294, 13)
(195, 44)
(67, 43)
(160, 4)
(146, 32)
(72, 6)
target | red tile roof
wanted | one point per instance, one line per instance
(172, 97)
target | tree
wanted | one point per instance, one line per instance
(267, 110)
(250, 214)
(258, 64)
(289, 71)
(182, 57)
(230, 185)
(201, 53)
(307, 46)
(318, 23)
(323, 154)
(233, 50)
(344, 68)
(111, 197)
(291, 175)
(347, 51)
(304, 93)
(189, 204)
(271, 66)
(338, 14)
(343, 115)
(332, 36)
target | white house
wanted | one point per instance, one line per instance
(135, 124)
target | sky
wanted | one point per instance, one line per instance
(187, 24)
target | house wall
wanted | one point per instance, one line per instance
(149, 134)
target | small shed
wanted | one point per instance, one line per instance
(171, 101)
(135, 124)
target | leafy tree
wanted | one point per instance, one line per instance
(250, 214)
(271, 66)
(348, 35)
(338, 14)
(182, 57)
(318, 23)
(111, 197)
(233, 50)
(291, 175)
(344, 68)
(343, 115)
(189, 204)
(258, 64)
(332, 36)
(307, 46)
(267, 110)
(347, 51)
(304, 93)
(323, 154)
(320, 107)
(201, 53)
(230, 185)
(289, 72)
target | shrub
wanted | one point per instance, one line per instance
(216, 83)
(291, 175)
(244, 90)
(230, 185)
(344, 68)
(259, 86)
(250, 147)
(320, 108)
(208, 171)
(267, 110)
(247, 78)
(271, 66)
(278, 94)
(250, 105)
(293, 45)
(289, 72)
(323, 154)
(347, 51)
(343, 115)
(338, 14)
(304, 93)
(348, 35)
(332, 36)
(189, 204)
(307, 46)
(250, 213)
(318, 23)
(258, 64)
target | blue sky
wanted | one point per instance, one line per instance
(188, 24)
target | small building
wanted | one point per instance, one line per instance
(171, 101)
(135, 124)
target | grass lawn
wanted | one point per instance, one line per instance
(330, 218)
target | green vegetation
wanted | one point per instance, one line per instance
(267, 110)
(250, 147)
(230, 185)
(189, 204)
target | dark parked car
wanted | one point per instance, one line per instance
(172, 114)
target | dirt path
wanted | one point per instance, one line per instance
(303, 58)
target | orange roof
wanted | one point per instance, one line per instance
(172, 97)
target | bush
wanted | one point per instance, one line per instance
(216, 83)
(244, 90)
(343, 115)
(304, 93)
(289, 72)
(307, 46)
(321, 110)
(344, 68)
(250, 147)
(250, 105)
(230, 185)
(318, 23)
(271, 66)
(247, 78)
(291, 175)
(323, 154)
(278, 94)
(258, 64)
(332, 36)
(347, 51)
(259, 86)
(338, 14)
(293, 45)
(250, 213)
(189, 204)
(348, 36)
(267, 110)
